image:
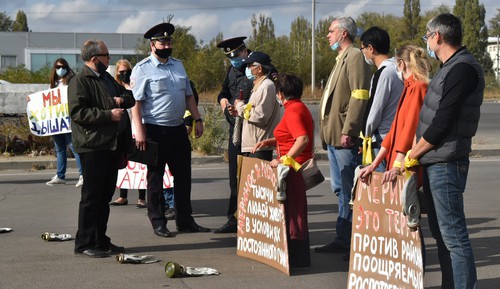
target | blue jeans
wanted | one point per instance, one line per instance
(169, 197)
(383, 165)
(444, 185)
(62, 141)
(343, 162)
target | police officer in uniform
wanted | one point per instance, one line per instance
(162, 91)
(235, 86)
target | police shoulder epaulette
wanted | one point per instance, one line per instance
(145, 60)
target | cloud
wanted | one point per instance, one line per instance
(204, 26)
(136, 23)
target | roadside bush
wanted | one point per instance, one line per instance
(16, 138)
(214, 131)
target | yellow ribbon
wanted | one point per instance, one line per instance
(246, 112)
(409, 163)
(289, 161)
(396, 164)
(193, 129)
(367, 157)
(361, 94)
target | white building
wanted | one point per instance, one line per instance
(493, 49)
(38, 49)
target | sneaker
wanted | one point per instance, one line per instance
(56, 181)
(80, 182)
(170, 214)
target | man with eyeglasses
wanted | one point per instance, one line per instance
(162, 92)
(97, 104)
(341, 117)
(448, 121)
(235, 86)
(385, 91)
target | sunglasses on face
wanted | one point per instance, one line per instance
(60, 66)
(123, 72)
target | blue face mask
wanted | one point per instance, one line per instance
(248, 73)
(335, 46)
(236, 62)
(431, 52)
(61, 71)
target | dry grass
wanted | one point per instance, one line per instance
(308, 95)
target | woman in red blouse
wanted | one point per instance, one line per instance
(413, 69)
(293, 138)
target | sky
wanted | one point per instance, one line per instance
(205, 17)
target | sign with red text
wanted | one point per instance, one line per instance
(384, 252)
(261, 218)
(48, 112)
(133, 176)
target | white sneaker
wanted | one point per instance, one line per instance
(56, 181)
(80, 182)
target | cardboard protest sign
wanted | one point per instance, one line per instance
(48, 112)
(261, 219)
(133, 176)
(385, 253)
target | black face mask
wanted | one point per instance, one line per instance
(163, 53)
(125, 78)
(101, 68)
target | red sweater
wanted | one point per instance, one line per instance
(297, 121)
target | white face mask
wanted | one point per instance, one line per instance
(400, 75)
(61, 71)
(368, 60)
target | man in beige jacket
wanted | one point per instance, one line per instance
(341, 115)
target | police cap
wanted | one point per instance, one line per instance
(161, 32)
(232, 46)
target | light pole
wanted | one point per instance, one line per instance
(313, 49)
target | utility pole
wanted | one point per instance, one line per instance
(313, 49)
(498, 60)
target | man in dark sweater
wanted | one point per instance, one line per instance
(448, 121)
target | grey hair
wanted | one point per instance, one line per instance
(90, 48)
(347, 24)
(448, 26)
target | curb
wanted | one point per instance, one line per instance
(42, 163)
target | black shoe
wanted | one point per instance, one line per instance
(113, 249)
(331, 248)
(193, 228)
(141, 204)
(92, 253)
(229, 227)
(162, 232)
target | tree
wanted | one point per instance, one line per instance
(300, 42)
(5, 22)
(495, 24)
(21, 23)
(475, 32)
(411, 12)
(262, 32)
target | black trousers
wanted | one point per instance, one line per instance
(174, 148)
(100, 171)
(232, 152)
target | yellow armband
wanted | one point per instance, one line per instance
(289, 161)
(396, 164)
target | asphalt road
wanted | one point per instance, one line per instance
(30, 207)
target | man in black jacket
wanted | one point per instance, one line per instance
(97, 104)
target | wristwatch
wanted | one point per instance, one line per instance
(198, 120)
